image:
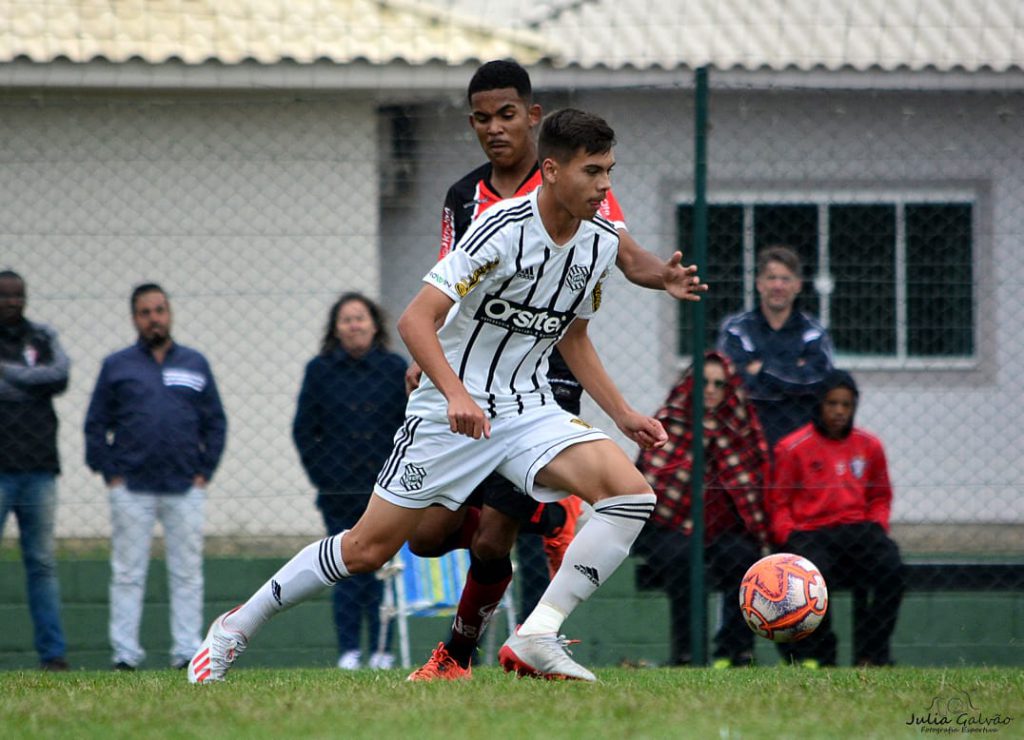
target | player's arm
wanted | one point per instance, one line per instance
(417, 327)
(647, 270)
(581, 357)
(414, 372)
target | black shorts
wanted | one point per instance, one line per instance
(498, 493)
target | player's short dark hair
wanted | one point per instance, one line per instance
(785, 256)
(564, 132)
(330, 341)
(499, 74)
(140, 290)
(11, 275)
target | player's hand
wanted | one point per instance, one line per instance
(682, 281)
(413, 373)
(465, 417)
(646, 431)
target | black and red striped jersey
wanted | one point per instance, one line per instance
(472, 195)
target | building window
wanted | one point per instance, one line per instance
(893, 281)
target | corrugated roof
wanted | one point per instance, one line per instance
(969, 35)
(268, 31)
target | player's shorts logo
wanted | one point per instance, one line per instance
(412, 477)
(522, 319)
(580, 422)
(577, 278)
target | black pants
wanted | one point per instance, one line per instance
(727, 558)
(853, 553)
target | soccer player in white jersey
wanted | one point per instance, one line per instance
(527, 275)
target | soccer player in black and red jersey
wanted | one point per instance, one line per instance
(503, 115)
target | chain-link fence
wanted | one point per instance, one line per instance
(255, 211)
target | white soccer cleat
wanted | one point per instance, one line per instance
(218, 651)
(542, 656)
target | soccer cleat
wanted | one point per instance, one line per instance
(542, 656)
(556, 544)
(218, 651)
(441, 667)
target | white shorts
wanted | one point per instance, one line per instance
(432, 465)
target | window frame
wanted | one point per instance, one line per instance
(823, 282)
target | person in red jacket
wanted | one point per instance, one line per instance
(829, 501)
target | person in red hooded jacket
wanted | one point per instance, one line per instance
(829, 501)
(735, 530)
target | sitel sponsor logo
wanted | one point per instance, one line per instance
(538, 322)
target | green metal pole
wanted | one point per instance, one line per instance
(698, 593)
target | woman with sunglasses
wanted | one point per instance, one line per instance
(735, 530)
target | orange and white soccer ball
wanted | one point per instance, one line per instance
(783, 597)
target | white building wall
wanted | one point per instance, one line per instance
(254, 213)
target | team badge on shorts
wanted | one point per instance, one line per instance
(412, 477)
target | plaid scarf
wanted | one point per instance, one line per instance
(735, 459)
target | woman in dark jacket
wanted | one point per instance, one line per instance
(352, 401)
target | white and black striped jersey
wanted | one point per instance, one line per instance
(515, 293)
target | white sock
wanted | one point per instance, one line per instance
(593, 555)
(313, 569)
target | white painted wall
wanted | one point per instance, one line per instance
(254, 213)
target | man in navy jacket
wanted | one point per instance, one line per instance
(155, 430)
(783, 354)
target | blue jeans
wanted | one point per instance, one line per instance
(33, 499)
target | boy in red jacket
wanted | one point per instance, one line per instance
(829, 500)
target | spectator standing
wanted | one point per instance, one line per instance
(155, 431)
(735, 530)
(829, 500)
(33, 369)
(352, 400)
(782, 353)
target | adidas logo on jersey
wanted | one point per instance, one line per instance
(526, 273)
(538, 322)
(590, 572)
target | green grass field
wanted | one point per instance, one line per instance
(626, 703)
